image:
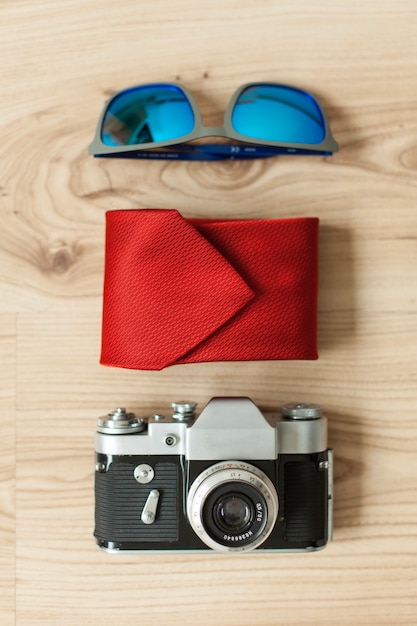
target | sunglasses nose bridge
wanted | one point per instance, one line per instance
(213, 131)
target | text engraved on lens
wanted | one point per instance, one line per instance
(241, 537)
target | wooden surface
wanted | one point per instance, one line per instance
(59, 62)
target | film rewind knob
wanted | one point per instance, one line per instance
(301, 411)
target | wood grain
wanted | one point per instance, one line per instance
(60, 61)
(7, 468)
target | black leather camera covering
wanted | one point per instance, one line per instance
(300, 483)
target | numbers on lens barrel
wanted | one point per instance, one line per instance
(259, 512)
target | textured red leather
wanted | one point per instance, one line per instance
(182, 290)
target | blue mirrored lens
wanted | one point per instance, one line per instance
(278, 113)
(147, 114)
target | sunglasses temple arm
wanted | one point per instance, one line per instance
(165, 155)
(211, 152)
(250, 151)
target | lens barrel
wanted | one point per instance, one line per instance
(232, 506)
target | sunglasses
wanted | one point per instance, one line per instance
(158, 120)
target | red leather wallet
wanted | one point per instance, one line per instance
(180, 290)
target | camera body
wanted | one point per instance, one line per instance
(232, 479)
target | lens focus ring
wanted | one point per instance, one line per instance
(232, 506)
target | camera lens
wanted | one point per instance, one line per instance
(233, 513)
(232, 506)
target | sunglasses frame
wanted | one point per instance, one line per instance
(272, 148)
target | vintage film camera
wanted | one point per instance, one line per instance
(230, 480)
